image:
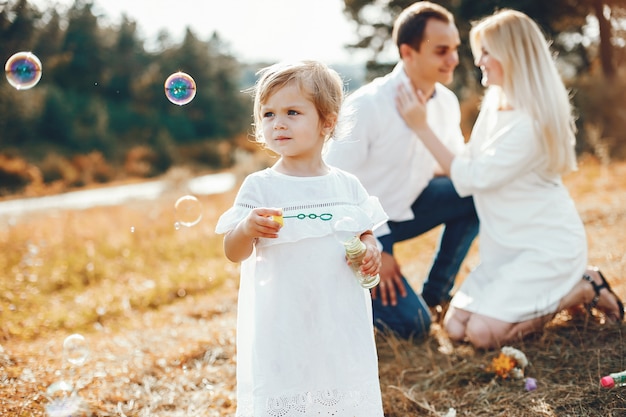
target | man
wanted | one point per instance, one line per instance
(393, 165)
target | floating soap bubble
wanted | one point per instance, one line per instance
(345, 229)
(60, 389)
(188, 211)
(180, 88)
(63, 400)
(75, 349)
(23, 70)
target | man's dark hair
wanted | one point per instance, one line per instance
(410, 24)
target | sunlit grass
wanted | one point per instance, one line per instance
(158, 307)
(73, 270)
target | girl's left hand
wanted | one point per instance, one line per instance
(370, 265)
(412, 107)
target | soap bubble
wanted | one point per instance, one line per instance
(345, 229)
(62, 400)
(188, 211)
(180, 88)
(75, 349)
(59, 389)
(23, 70)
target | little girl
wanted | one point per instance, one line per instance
(305, 340)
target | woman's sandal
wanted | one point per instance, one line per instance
(597, 288)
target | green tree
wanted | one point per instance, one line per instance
(50, 37)
(85, 62)
(125, 61)
(217, 110)
(103, 91)
(17, 33)
(17, 27)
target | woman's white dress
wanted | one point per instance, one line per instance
(305, 338)
(532, 242)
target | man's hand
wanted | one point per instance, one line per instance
(390, 281)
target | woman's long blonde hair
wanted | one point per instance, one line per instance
(531, 81)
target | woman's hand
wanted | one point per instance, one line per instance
(412, 107)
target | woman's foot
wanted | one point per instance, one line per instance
(602, 297)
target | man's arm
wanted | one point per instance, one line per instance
(391, 283)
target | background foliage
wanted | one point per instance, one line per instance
(102, 91)
(99, 112)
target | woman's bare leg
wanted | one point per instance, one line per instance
(455, 322)
(488, 333)
(583, 293)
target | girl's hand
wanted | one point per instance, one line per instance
(259, 223)
(370, 265)
(412, 107)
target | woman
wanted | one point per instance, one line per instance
(532, 241)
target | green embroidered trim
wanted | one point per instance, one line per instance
(324, 216)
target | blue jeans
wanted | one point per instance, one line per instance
(438, 204)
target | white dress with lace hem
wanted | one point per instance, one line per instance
(305, 340)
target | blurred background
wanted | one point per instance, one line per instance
(99, 113)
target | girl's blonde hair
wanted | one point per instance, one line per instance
(318, 82)
(531, 81)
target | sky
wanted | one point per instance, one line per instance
(255, 30)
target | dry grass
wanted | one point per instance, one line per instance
(157, 307)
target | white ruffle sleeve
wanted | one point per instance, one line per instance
(314, 212)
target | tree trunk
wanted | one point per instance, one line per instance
(606, 49)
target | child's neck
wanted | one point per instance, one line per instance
(298, 168)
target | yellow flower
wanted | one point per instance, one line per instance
(516, 354)
(509, 363)
(501, 365)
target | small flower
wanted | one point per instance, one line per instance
(509, 363)
(501, 365)
(516, 354)
(517, 373)
(530, 384)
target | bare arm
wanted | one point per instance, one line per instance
(239, 242)
(412, 108)
(391, 284)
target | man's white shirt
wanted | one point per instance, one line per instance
(379, 148)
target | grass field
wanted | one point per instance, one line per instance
(156, 305)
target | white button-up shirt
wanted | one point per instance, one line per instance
(380, 149)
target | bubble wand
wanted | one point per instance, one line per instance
(345, 231)
(615, 379)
